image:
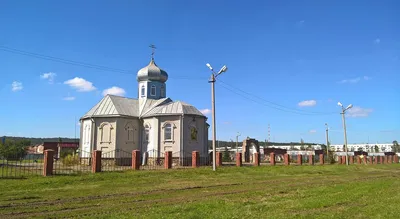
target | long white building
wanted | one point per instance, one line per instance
(386, 147)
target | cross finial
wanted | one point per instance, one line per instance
(153, 50)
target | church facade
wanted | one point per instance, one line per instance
(152, 123)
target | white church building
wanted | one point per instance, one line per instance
(151, 123)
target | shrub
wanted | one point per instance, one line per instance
(70, 160)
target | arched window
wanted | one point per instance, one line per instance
(142, 91)
(105, 132)
(147, 133)
(153, 90)
(193, 133)
(129, 131)
(86, 134)
(168, 132)
(162, 91)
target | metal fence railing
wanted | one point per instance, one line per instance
(73, 164)
(21, 165)
(152, 160)
(116, 160)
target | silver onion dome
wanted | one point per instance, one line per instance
(152, 73)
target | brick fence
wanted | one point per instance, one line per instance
(195, 160)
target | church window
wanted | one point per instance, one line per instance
(142, 91)
(86, 136)
(153, 90)
(147, 133)
(193, 133)
(105, 132)
(129, 131)
(162, 91)
(168, 132)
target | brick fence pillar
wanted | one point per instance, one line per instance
(358, 159)
(311, 159)
(381, 159)
(365, 159)
(272, 158)
(219, 159)
(195, 159)
(343, 159)
(135, 159)
(339, 159)
(287, 159)
(48, 162)
(370, 160)
(299, 159)
(168, 160)
(385, 159)
(238, 159)
(351, 159)
(321, 159)
(256, 159)
(396, 158)
(96, 161)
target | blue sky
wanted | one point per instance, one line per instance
(279, 52)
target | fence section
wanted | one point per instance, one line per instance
(73, 163)
(152, 160)
(21, 165)
(116, 160)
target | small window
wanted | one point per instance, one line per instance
(142, 91)
(162, 91)
(193, 133)
(168, 132)
(153, 90)
(146, 133)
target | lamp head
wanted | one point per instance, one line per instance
(223, 69)
(209, 66)
(349, 106)
(340, 104)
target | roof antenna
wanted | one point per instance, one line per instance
(153, 50)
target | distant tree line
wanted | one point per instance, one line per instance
(36, 141)
(13, 149)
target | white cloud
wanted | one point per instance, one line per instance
(49, 77)
(377, 41)
(307, 103)
(313, 131)
(114, 91)
(354, 80)
(16, 86)
(69, 98)
(357, 111)
(205, 111)
(80, 84)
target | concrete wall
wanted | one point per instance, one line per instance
(127, 134)
(105, 134)
(191, 144)
(173, 145)
(86, 136)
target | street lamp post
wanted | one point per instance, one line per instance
(344, 128)
(237, 136)
(327, 140)
(212, 81)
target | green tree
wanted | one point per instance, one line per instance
(376, 148)
(226, 155)
(360, 149)
(13, 150)
(395, 147)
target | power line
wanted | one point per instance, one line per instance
(278, 105)
(82, 64)
(268, 105)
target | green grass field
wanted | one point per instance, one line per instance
(332, 191)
